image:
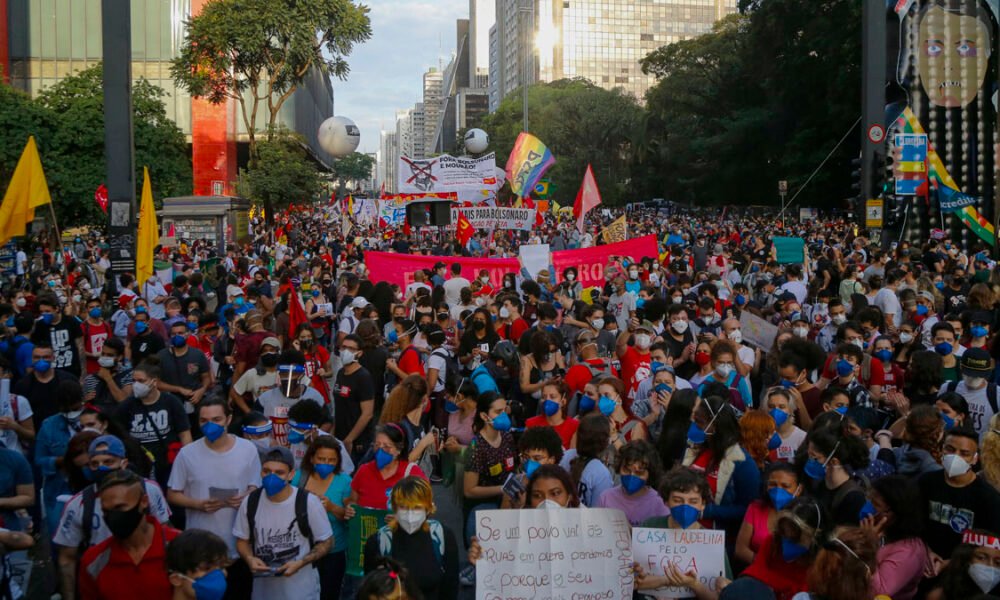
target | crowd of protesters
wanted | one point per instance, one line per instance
(209, 434)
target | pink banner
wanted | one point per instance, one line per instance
(399, 268)
(590, 262)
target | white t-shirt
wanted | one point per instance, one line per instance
(8, 437)
(435, 360)
(746, 354)
(348, 324)
(21, 259)
(453, 290)
(416, 285)
(70, 530)
(151, 289)
(797, 288)
(888, 303)
(255, 383)
(980, 411)
(790, 443)
(594, 480)
(276, 542)
(200, 473)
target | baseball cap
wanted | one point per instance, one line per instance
(646, 326)
(270, 341)
(981, 316)
(279, 454)
(234, 290)
(976, 362)
(359, 302)
(926, 296)
(113, 446)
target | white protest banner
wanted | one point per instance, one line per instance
(584, 554)
(757, 331)
(495, 217)
(365, 211)
(701, 550)
(391, 213)
(534, 258)
(446, 173)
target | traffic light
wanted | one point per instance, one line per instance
(856, 179)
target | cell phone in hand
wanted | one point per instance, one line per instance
(513, 487)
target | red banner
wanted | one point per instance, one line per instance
(590, 262)
(399, 268)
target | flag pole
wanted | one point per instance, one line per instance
(59, 242)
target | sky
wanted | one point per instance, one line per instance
(408, 37)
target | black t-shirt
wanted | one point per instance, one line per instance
(844, 505)
(373, 360)
(437, 577)
(41, 396)
(185, 370)
(470, 341)
(164, 417)
(675, 348)
(63, 336)
(147, 344)
(349, 391)
(952, 510)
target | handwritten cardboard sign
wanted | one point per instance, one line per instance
(701, 550)
(563, 554)
(757, 331)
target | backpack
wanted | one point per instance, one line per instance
(605, 370)
(87, 519)
(991, 393)
(437, 541)
(452, 374)
(11, 355)
(301, 515)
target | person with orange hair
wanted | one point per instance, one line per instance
(758, 435)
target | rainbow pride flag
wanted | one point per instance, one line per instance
(946, 186)
(528, 161)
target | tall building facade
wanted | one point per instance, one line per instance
(482, 17)
(388, 160)
(432, 106)
(44, 41)
(599, 40)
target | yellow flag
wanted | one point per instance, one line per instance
(27, 190)
(149, 234)
(616, 231)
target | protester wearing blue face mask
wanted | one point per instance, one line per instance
(784, 559)
(373, 480)
(491, 457)
(638, 469)
(833, 457)
(781, 486)
(196, 566)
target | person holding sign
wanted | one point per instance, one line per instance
(374, 479)
(424, 546)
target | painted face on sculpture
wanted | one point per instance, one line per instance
(952, 56)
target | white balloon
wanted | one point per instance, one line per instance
(476, 141)
(339, 136)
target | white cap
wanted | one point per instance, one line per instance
(234, 290)
(359, 302)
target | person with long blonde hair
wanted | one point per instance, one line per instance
(991, 453)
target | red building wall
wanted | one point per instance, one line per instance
(4, 43)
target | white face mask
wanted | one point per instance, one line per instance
(570, 276)
(21, 302)
(905, 338)
(106, 361)
(677, 299)
(485, 280)
(598, 324)
(263, 443)
(679, 326)
(986, 577)
(140, 389)
(724, 370)
(504, 313)
(347, 357)
(411, 520)
(735, 336)
(859, 343)
(839, 319)
(633, 274)
(954, 465)
(548, 504)
(642, 340)
(973, 383)
(800, 332)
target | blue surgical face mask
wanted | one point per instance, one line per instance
(867, 510)
(586, 404)
(944, 348)
(450, 407)
(922, 310)
(948, 421)
(978, 331)
(141, 327)
(791, 550)
(780, 497)
(41, 366)
(740, 299)
(787, 383)
(324, 470)
(632, 484)
(239, 301)
(383, 458)
(815, 469)
(530, 466)
(47, 318)
(295, 437)
(779, 416)
(685, 515)
(550, 407)
(393, 336)
(939, 285)
(844, 367)
(775, 442)
(696, 435)
(95, 313)
(212, 431)
(606, 406)
(178, 341)
(210, 586)
(273, 484)
(662, 388)
(883, 355)
(501, 422)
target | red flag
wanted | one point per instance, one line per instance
(296, 314)
(407, 230)
(333, 199)
(101, 197)
(464, 229)
(587, 198)
(381, 191)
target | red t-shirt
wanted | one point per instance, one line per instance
(894, 379)
(93, 341)
(514, 331)
(566, 429)
(108, 573)
(785, 578)
(579, 375)
(876, 377)
(373, 490)
(247, 349)
(409, 362)
(635, 368)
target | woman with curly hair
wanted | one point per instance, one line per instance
(991, 453)
(971, 569)
(843, 567)
(921, 450)
(756, 432)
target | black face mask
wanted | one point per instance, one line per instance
(269, 360)
(479, 325)
(397, 319)
(122, 523)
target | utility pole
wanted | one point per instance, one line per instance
(873, 131)
(528, 47)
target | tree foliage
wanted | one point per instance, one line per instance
(284, 173)
(765, 96)
(259, 51)
(580, 123)
(356, 166)
(67, 121)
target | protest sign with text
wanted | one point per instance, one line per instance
(567, 553)
(362, 525)
(399, 268)
(446, 173)
(495, 217)
(590, 262)
(757, 331)
(700, 550)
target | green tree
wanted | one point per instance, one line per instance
(283, 173)
(67, 121)
(259, 51)
(581, 124)
(356, 166)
